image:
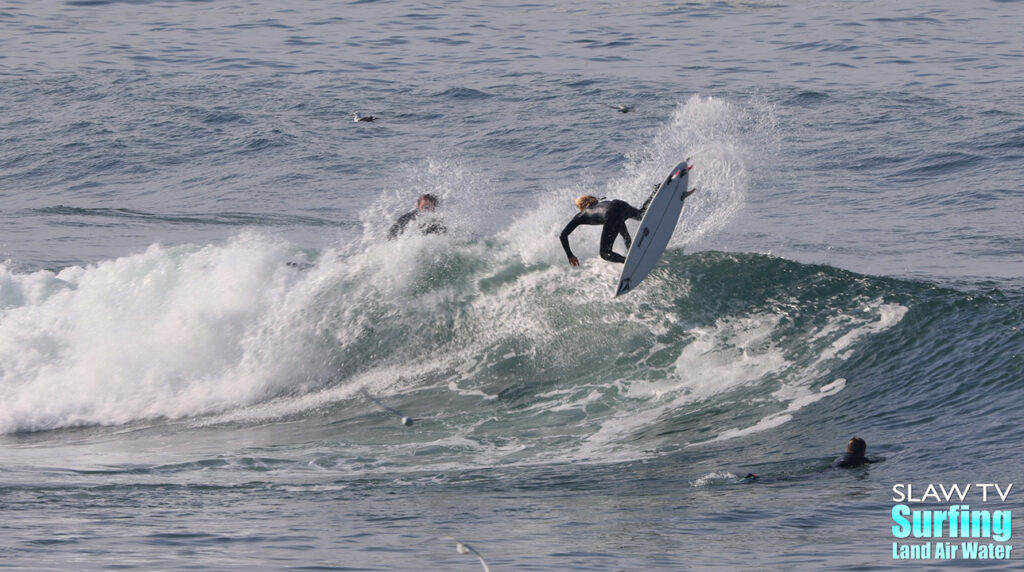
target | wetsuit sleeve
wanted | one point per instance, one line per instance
(564, 237)
(435, 228)
(647, 203)
(399, 227)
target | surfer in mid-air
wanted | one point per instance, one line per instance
(613, 215)
(427, 203)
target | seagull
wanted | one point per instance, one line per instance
(357, 118)
(463, 548)
(622, 108)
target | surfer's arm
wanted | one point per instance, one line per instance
(564, 237)
(647, 203)
(625, 236)
(399, 227)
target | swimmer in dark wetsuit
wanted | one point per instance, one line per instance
(612, 214)
(426, 203)
(854, 456)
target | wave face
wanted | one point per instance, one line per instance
(501, 361)
(449, 330)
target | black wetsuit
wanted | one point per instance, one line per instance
(612, 214)
(433, 227)
(850, 460)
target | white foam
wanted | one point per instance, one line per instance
(733, 353)
(170, 332)
(796, 392)
(714, 478)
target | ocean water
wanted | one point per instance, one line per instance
(204, 336)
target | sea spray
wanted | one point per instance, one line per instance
(713, 132)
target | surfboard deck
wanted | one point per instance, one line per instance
(655, 229)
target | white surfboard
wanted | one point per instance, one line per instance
(655, 229)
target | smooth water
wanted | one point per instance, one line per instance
(202, 328)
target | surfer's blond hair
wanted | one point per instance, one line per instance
(586, 201)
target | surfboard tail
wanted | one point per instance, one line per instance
(623, 287)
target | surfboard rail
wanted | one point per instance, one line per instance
(656, 228)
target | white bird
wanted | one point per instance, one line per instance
(357, 118)
(463, 548)
(622, 108)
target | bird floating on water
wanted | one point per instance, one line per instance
(357, 117)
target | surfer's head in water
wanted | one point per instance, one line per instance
(857, 446)
(427, 202)
(584, 202)
(854, 456)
